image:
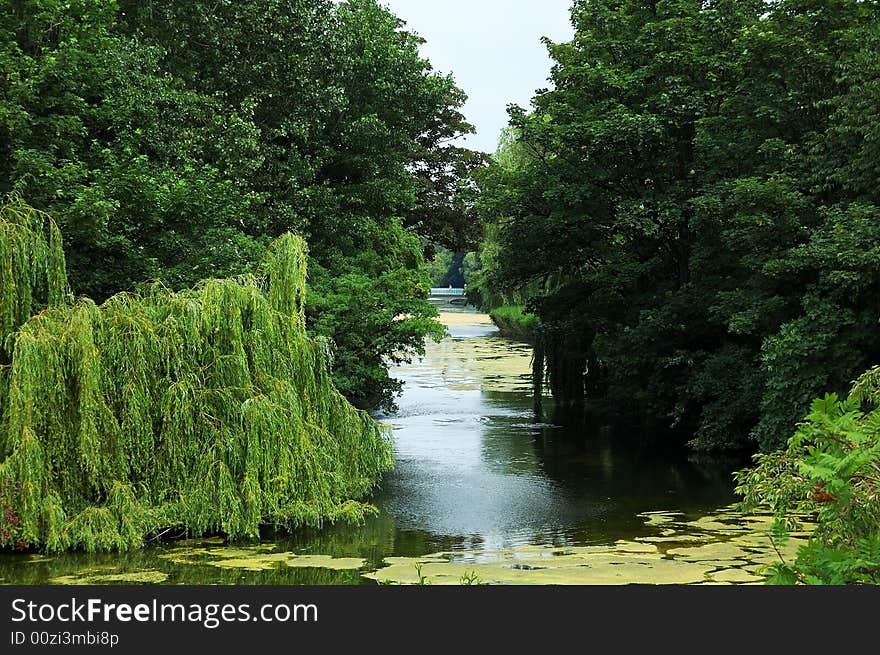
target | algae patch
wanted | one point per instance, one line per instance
(577, 566)
(735, 575)
(257, 558)
(722, 548)
(85, 578)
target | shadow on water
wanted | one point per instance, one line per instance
(475, 469)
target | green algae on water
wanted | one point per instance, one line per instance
(721, 548)
(258, 558)
(138, 577)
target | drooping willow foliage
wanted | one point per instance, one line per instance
(32, 270)
(207, 410)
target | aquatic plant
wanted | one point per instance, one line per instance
(422, 580)
(207, 410)
(470, 578)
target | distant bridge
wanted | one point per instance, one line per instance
(450, 295)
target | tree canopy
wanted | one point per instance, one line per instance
(693, 207)
(173, 141)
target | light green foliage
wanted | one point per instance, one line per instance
(830, 468)
(470, 578)
(173, 141)
(514, 321)
(207, 409)
(422, 580)
(32, 269)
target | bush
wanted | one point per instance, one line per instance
(831, 471)
(514, 322)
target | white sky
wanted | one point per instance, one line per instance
(493, 50)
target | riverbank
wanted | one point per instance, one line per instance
(514, 323)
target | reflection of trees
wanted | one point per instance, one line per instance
(19, 570)
(602, 476)
(600, 461)
(630, 466)
(376, 539)
(506, 446)
(372, 541)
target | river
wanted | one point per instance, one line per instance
(481, 492)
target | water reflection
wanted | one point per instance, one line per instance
(473, 465)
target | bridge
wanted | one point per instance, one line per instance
(450, 295)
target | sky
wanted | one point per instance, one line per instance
(492, 48)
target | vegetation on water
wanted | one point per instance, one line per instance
(513, 321)
(724, 547)
(202, 410)
(830, 470)
(470, 578)
(692, 211)
(173, 141)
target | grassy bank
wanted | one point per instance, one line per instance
(514, 322)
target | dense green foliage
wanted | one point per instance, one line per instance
(693, 209)
(513, 321)
(175, 140)
(452, 268)
(831, 471)
(203, 410)
(33, 273)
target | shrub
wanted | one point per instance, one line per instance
(513, 321)
(830, 470)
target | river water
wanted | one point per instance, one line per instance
(475, 470)
(478, 483)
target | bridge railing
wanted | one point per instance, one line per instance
(446, 291)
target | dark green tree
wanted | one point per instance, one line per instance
(692, 206)
(95, 133)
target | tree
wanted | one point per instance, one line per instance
(209, 409)
(691, 206)
(174, 140)
(100, 137)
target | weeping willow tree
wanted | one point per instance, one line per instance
(32, 270)
(207, 410)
